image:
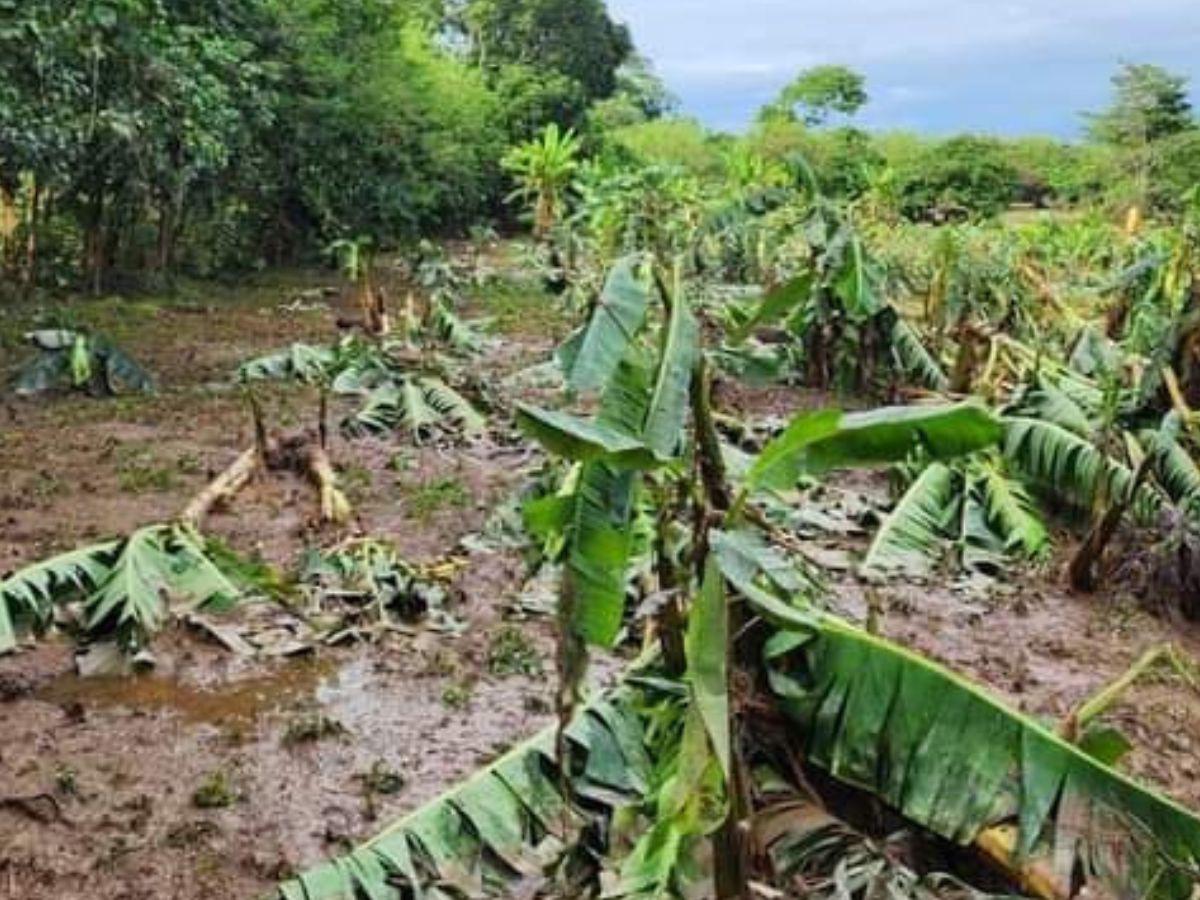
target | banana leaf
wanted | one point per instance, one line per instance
(618, 317)
(949, 757)
(126, 586)
(819, 442)
(667, 415)
(503, 824)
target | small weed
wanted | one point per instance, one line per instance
(457, 695)
(382, 779)
(511, 653)
(189, 834)
(401, 462)
(66, 781)
(44, 486)
(189, 464)
(215, 792)
(310, 727)
(427, 498)
(138, 473)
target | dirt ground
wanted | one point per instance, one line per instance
(202, 779)
(216, 776)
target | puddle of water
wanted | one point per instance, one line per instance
(237, 702)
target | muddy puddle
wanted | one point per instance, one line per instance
(241, 702)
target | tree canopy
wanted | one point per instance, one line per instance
(820, 92)
(1149, 103)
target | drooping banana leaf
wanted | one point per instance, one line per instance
(819, 442)
(605, 499)
(126, 586)
(417, 404)
(452, 405)
(972, 504)
(667, 415)
(120, 369)
(42, 373)
(914, 357)
(911, 538)
(777, 303)
(1069, 466)
(950, 758)
(855, 282)
(1011, 510)
(1174, 467)
(299, 362)
(707, 651)
(77, 360)
(448, 327)
(502, 824)
(153, 567)
(581, 440)
(29, 595)
(1047, 402)
(615, 322)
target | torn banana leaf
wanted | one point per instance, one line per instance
(504, 824)
(125, 587)
(949, 757)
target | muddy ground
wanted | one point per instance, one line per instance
(217, 775)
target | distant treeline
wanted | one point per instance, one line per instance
(1142, 151)
(140, 138)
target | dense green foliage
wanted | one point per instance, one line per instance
(155, 135)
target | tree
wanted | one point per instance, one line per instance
(576, 38)
(819, 93)
(1150, 104)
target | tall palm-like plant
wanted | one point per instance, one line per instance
(543, 168)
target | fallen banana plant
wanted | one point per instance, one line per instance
(814, 854)
(398, 390)
(125, 588)
(382, 586)
(78, 361)
(953, 760)
(507, 824)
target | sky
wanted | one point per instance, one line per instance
(937, 66)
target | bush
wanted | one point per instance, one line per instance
(964, 177)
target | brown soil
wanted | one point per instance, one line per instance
(98, 777)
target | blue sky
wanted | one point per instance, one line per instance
(1000, 66)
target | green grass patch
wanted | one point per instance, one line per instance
(521, 307)
(426, 499)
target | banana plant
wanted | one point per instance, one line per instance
(844, 330)
(396, 390)
(78, 361)
(125, 588)
(641, 353)
(543, 168)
